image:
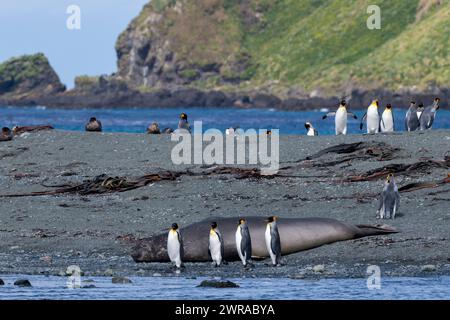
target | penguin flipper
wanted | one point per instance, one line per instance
(329, 114)
(361, 125)
(351, 114)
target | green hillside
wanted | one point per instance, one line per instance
(306, 44)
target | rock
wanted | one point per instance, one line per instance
(153, 129)
(297, 276)
(157, 274)
(429, 268)
(121, 280)
(22, 283)
(320, 268)
(89, 286)
(47, 259)
(217, 284)
(1, 282)
(109, 272)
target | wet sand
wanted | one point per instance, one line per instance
(46, 234)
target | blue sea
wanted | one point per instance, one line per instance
(136, 120)
(175, 288)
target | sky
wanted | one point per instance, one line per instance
(31, 26)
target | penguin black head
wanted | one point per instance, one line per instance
(241, 221)
(437, 99)
(307, 125)
(269, 131)
(271, 219)
(413, 102)
(92, 119)
(174, 226)
(343, 103)
(213, 225)
(420, 105)
(388, 106)
(183, 116)
(6, 130)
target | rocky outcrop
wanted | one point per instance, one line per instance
(28, 77)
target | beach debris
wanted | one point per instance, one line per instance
(22, 283)
(121, 280)
(424, 185)
(428, 268)
(241, 173)
(320, 268)
(365, 150)
(19, 130)
(217, 284)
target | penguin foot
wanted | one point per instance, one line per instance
(224, 262)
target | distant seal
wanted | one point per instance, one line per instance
(387, 119)
(183, 122)
(175, 245)
(215, 245)
(428, 115)
(19, 130)
(296, 234)
(6, 134)
(153, 129)
(389, 199)
(340, 118)
(93, 125)
(412, 120)
(243, 242)
(372, 117)
(310, 131)
(273, 242)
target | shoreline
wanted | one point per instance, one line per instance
(46, 234)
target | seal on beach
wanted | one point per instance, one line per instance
(389, 199)
(183, 122)
(215, 245)
(175, 245)
(93, 125)
(372, 118)
(243, 242)
(387, 119)
(273, 243)
(153, 129)
(412, 119)
(296, 234)
(340, 118)
(19, 130)
(310, 131)
(6, 134)
(429, 113)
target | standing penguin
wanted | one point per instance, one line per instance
(389, 199)
(215, 245)
(243, 242)
(429, 113)
(419, 111)
(411, 119)
(387, 119)
(310, 131)
(340, 118)
(273, 240)
(183, 123)
(175, 246)
(373, 118)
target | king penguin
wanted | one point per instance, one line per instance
(243, 242)
(310, 131)
(387, 119)
(273, 240)
(340, 118)
(175, 246)
(373, 118)
(411, 119)
(183, 122)
(389, 199)
(215, 245)
(429, 113)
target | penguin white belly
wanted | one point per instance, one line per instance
(310, 132)
(373, 120)
(419, 113)
(214, 248)
(269, 244)
(173, 248)
(341, 122)
(387, 125)
(238, 244)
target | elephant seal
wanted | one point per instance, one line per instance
(296, 234)
(19, 130)
(93, 125)
(6, 134)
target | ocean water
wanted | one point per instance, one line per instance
(136, 120)
(175, 288)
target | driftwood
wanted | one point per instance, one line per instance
(365, 150)
(424, 185)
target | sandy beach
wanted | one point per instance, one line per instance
(46, 234)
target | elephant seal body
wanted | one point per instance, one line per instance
(296, 234)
